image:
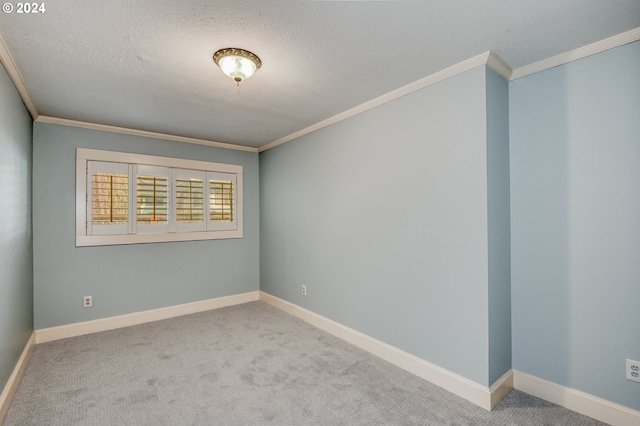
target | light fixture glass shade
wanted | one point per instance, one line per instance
(239, 64)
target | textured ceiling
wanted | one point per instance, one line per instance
(147, 64)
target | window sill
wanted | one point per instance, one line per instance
(111, 240)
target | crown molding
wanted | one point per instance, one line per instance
(143, 133)
(491, 59)
(499, 65)
(582, 52)
(444, 74)
(16, 77)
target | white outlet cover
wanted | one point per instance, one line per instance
(633, 370)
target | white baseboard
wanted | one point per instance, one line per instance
(575, 400)
(501, 388)
(103, 324)
(487, 398)
(14, 380)
(482, 396)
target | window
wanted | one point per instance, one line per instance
(130, 198)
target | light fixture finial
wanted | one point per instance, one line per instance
(239, 64)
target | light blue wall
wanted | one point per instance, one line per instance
(128, 278)
(384, 217)
(575, 195)
(16, 254)
(394, 219)
(498, 225)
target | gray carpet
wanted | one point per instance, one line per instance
(249, 364)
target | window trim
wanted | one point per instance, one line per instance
(83, 239)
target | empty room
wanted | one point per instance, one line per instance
(320, 212)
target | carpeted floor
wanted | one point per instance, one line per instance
(249, 364)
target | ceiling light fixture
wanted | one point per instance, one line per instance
(239, 64)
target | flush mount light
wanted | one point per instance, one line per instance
(239, 64)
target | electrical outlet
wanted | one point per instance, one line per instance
(88, 301)
(304, 290)
(633, 370)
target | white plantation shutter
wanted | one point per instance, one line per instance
(222, 201)
(153, 210)
(107, 198)
(124, 198)
(189, 194)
